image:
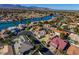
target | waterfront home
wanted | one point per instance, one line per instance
(3, 20)
(22, 26)
(11, 28)
(14, 30)
(73, 50)
(10, 20)
(58, 43)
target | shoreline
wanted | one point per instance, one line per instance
(25, 21)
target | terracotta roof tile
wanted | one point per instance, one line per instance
(73, 50)
(58, 42)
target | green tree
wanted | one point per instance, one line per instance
(62, 35)
(28, 22)
(43, 42)
(76, 30)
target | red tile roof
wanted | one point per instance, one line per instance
(59, 31)
(58, 43)
(73, 50)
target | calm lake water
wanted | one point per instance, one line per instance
(4, 25)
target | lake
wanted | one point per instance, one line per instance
(4, 25)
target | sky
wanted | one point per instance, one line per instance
(56, 6)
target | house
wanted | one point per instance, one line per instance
(6, 50)
(11, 28)
(74, 37)
(41, 33)
(73, 50)
(46, 25)
(14, 30)
(71, 26)
(4, 33)
(22, 26)
(58, 43)
(22, 45)
(10, 51)
(58, 31)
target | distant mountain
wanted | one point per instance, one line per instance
(15, 6)
(18, 6)
(11, 6)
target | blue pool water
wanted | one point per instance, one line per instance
(4, 25)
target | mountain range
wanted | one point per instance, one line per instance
(11, 6)
(18, 6)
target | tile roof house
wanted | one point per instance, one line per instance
(74, 37)
(58, 43)
(59, 31)
(6, 50)
(73, 50)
